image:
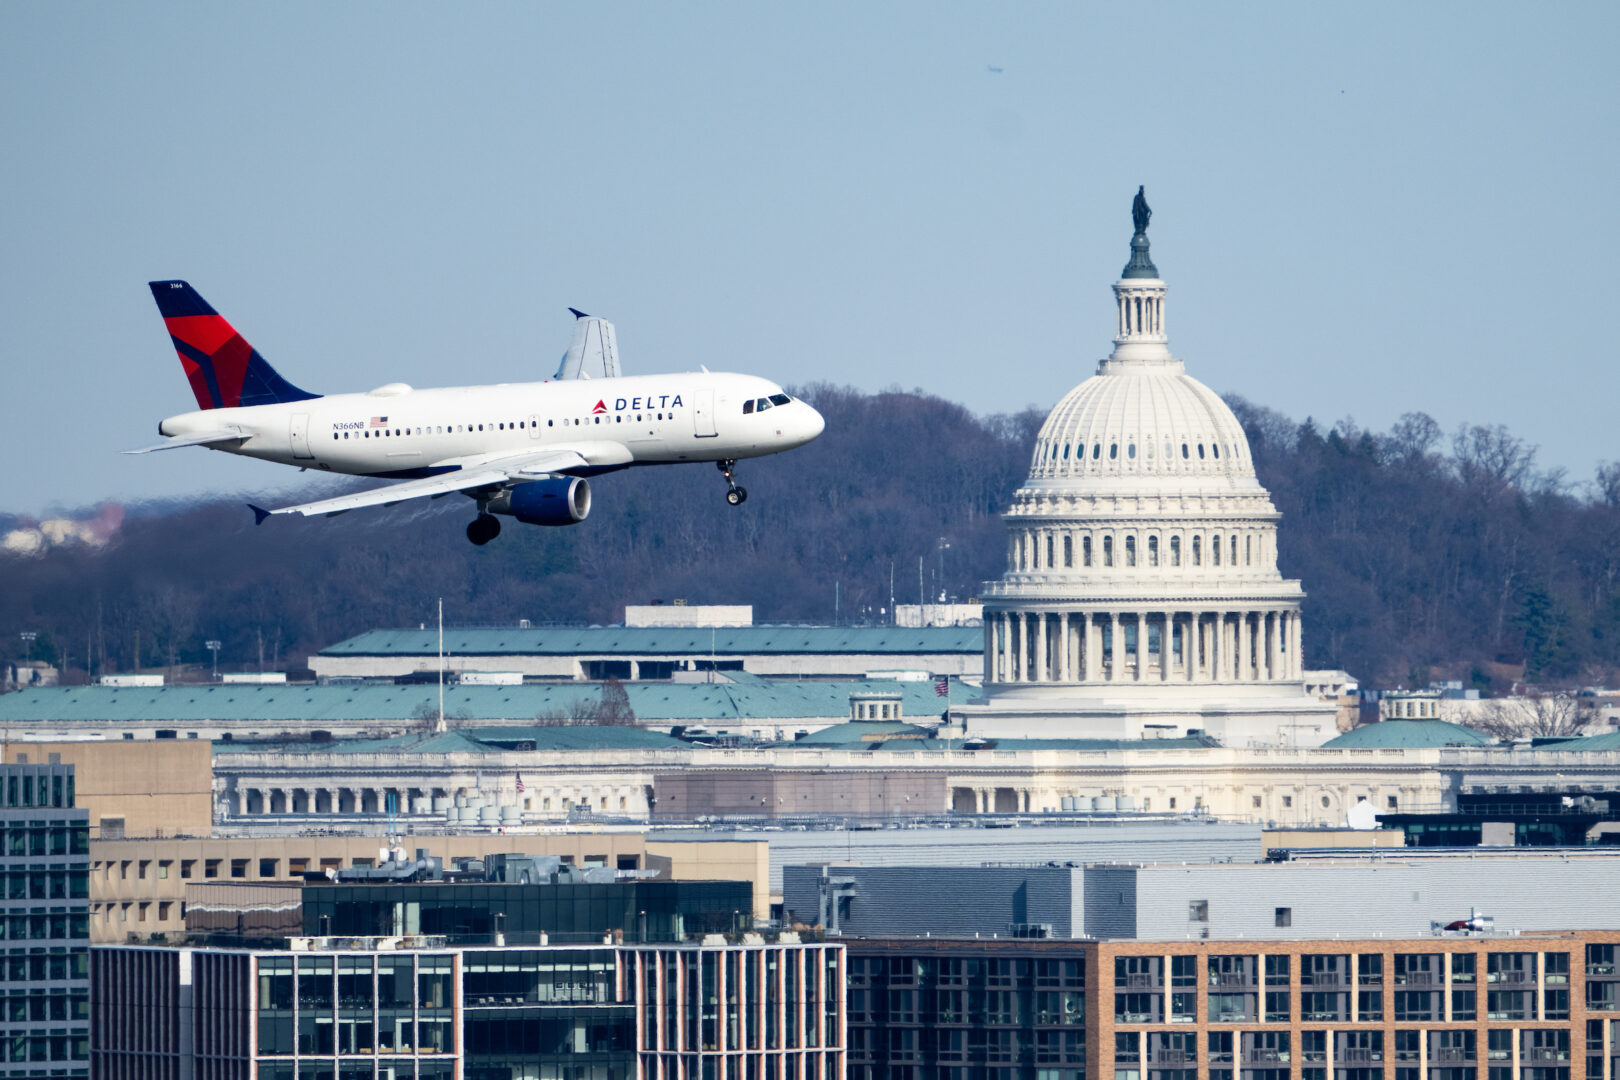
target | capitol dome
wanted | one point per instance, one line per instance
(1142, 595)
(1143, 421)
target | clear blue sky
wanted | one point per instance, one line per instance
(1362, 209)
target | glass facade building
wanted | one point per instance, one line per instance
(45, 920)
(755, 1010)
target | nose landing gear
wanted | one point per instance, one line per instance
(735, 495)
(483, 528)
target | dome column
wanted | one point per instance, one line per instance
(1041, 672)
(1141, 646)
(1088, 654)
(1114, 647)
(1273, 655)
(1167, 637)
(1063, 647)
(1245, 649)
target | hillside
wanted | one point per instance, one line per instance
(1422, 555)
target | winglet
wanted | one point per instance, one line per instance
(578, 314)
(259, 513)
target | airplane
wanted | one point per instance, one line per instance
(524, 450)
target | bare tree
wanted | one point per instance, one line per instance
(1532, 716)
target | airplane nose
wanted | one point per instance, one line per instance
(814, 425)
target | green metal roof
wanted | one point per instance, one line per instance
(747, 700)
(1608, 741)
(1409, 734)
(665, 641)
(482, 740)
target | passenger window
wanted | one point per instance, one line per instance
(748, 407)
(780, 399)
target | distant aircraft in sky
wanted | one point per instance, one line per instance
(520, 449)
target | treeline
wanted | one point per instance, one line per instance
(823, 530)
(1424, 555)
(1428, 555)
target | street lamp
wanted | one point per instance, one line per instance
(943, 546)
(213, 647)
(28, 637)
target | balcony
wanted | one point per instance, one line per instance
(1451, 1055)
(1359, 1056)
(1605, 969)
(1322, 979)
(1543, 1054)
(1141, 982)
(1169, 1057)
(1258, 1056)
(1233, 980)
(1511, 978)
(1418, 978)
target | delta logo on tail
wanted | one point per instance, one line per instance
(225, 372)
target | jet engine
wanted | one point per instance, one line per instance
(560, 500)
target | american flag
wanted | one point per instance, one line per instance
(520, 783)
(379, 421)
(942, 686)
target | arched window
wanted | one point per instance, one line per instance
(1130, 551)
(1175, 551)
(1113, 451)
(1168, 453)
(1065, 451)
(1068, 551)
(1248, 551)
(1023, 553)
(1184, 450)
(1216, 447)
(1108, 551)
(1215, 550)
(1197, 552)
(1153, 551)
(1234, 561)
(1200, 450)
(1130, 451)
(1051, 542)
(1085, 551)
(1096, 451)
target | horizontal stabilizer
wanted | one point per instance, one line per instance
(595, 350)
(206, 438)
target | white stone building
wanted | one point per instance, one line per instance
(1142, 595)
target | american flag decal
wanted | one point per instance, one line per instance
(379, 421)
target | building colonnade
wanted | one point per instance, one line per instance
(1191, 646)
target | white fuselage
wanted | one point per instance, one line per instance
(398, 431)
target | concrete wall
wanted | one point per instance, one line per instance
(1377, 897)
(681, 796)
(137, 887)
(162, 788)
(937, 901)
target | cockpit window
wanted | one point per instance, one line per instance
(748, 406)
(780, 399)
(762, 404)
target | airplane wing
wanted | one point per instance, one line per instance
(469, 473)
(206, 438)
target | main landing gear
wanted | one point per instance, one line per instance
(483, 529)
(735, 495)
